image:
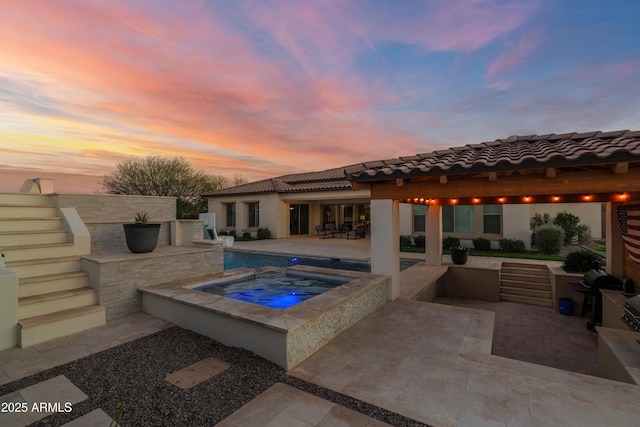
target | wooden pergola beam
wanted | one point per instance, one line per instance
(622, 167)
(444, 179)
(570, 182)
(550, 172)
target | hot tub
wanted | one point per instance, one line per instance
(285, 336)
(276, 289)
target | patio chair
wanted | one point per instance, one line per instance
(321, 232)
(360, 232)
(330, 229)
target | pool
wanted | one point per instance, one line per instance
(236, 259)
(273, 289)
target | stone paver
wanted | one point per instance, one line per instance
(282, 405)
(199, 372)
(95, 418)
(40, 400)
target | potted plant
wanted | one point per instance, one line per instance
(459, 254)
(141, 236)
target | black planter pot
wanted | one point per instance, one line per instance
(141, 238)
(459, 256)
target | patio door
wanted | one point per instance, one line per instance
(298, 220)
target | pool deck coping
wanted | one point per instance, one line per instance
(285, 320)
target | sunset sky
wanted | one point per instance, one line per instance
(264, 88)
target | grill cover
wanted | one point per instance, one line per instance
(600, 279)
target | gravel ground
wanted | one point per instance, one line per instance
(133, 375)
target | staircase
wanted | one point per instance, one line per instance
(526, 284)
(54, 296)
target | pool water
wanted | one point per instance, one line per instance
(236, 259)
(273, 291)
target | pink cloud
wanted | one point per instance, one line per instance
(513, 56)
(151, 77)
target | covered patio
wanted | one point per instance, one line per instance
(519, 170)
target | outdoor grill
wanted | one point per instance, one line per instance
(591, 283)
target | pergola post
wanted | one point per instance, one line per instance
(615, 244)
(433, 246)
(385, 242)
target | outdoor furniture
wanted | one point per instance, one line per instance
(321, 232)
(330, 229)
(344, 229)
(360, 232)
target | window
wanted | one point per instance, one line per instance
(419, 218)
(491, 219)
(457, 219)
(231, 214)
(254, 214)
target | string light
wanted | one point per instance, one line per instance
(556, 198)
(587, 197)
(501, 199)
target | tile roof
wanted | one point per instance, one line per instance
(515, 152)
(327, 180)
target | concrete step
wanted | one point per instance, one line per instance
(506, 290)
(24, 199)
(42, 328)
(30, 224)
(31, 252)
(32, 286)
(510, 264)
(525, 285)
(533, 272)
(526, 300)
(38, 305)
(27, 211)
(41, 267)
(13, 238)
(524, 278)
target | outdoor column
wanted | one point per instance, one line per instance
(615, 244)
(385, 242)
(433, 246)
(8, 307)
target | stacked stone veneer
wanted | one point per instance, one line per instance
(104, 214)
(114, 272)
(365, 296)
(120, 277)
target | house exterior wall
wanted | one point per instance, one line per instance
(516, 223)
(274, 209)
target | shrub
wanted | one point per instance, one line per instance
(246, 235)
(263, 233)
(511, 245)
(450, 242)
(405, 241)
(420, 241)
(584, 234)
(550, 239)
(569, 223)
(539, 220)
(481, 244)
(580, 261)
